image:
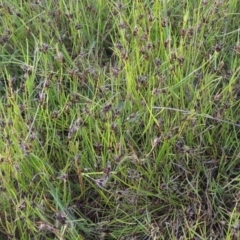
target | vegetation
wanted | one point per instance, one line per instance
(119, 120)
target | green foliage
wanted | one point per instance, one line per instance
(119, 120)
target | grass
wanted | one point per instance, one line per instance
(119, 120)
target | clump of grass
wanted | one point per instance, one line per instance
(119, 120)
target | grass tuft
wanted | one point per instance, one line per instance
(119, 119)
